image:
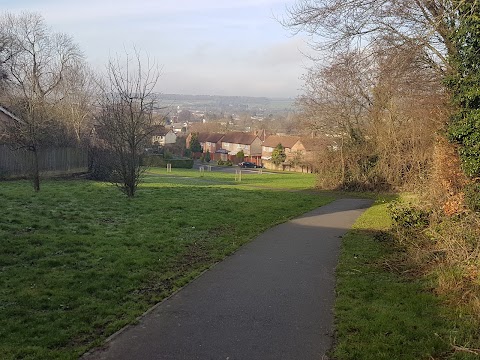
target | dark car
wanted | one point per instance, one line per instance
(247, 164)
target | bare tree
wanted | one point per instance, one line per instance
(37, 63)
(337, 25)
(125, 119)
(4, 56)
(79, 92)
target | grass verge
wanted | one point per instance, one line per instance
(78, 260)
(385, 312)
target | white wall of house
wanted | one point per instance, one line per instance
(170, 137)
(256, 147)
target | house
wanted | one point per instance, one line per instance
(162, 136)
(179, 127)
(201, 136)
(212, 142)
(208, 141)
(291, 145)
(301, 153)
(314, 146)
(250, 144)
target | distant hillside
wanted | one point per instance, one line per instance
(228, 104)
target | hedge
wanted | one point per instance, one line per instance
(159, 161)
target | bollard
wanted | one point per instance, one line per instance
(238, 175)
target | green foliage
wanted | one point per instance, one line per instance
(224, 163)
(195, 144)
(159, 161)
(464, 85)
(167, 155)
(278, 155)
(181, 163)
(240, 155)
(187, 153)
(153, 160)
(472, 196)
(408, 217)
(207, 156)
(100, 164)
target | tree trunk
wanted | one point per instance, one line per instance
(36, 171)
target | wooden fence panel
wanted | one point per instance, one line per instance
(51, 161)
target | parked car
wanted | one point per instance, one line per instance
(248, 164)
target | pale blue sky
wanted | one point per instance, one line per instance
(214, 47)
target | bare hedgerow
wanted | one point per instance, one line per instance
(457, 271)
(444, 248)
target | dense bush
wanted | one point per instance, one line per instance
(181, 163)
(472, 196)
(100, 164)
(160, 161)
(224, 163)
(409, 217)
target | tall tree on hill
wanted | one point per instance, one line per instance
(127, 103)
(37, 62)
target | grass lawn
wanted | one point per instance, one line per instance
(250, 179)
(383, 314)
(78, 260)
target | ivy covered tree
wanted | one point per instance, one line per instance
(464, 84)
(278, 155)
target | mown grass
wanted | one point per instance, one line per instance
(383, 311)
(78, 260)
(268, 179)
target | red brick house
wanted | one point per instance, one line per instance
(237, 141)
(291, 144)
(212, 142)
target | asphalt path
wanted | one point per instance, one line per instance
(272, 299)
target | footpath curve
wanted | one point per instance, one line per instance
(272, 299)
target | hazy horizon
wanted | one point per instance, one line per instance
(234, 48)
